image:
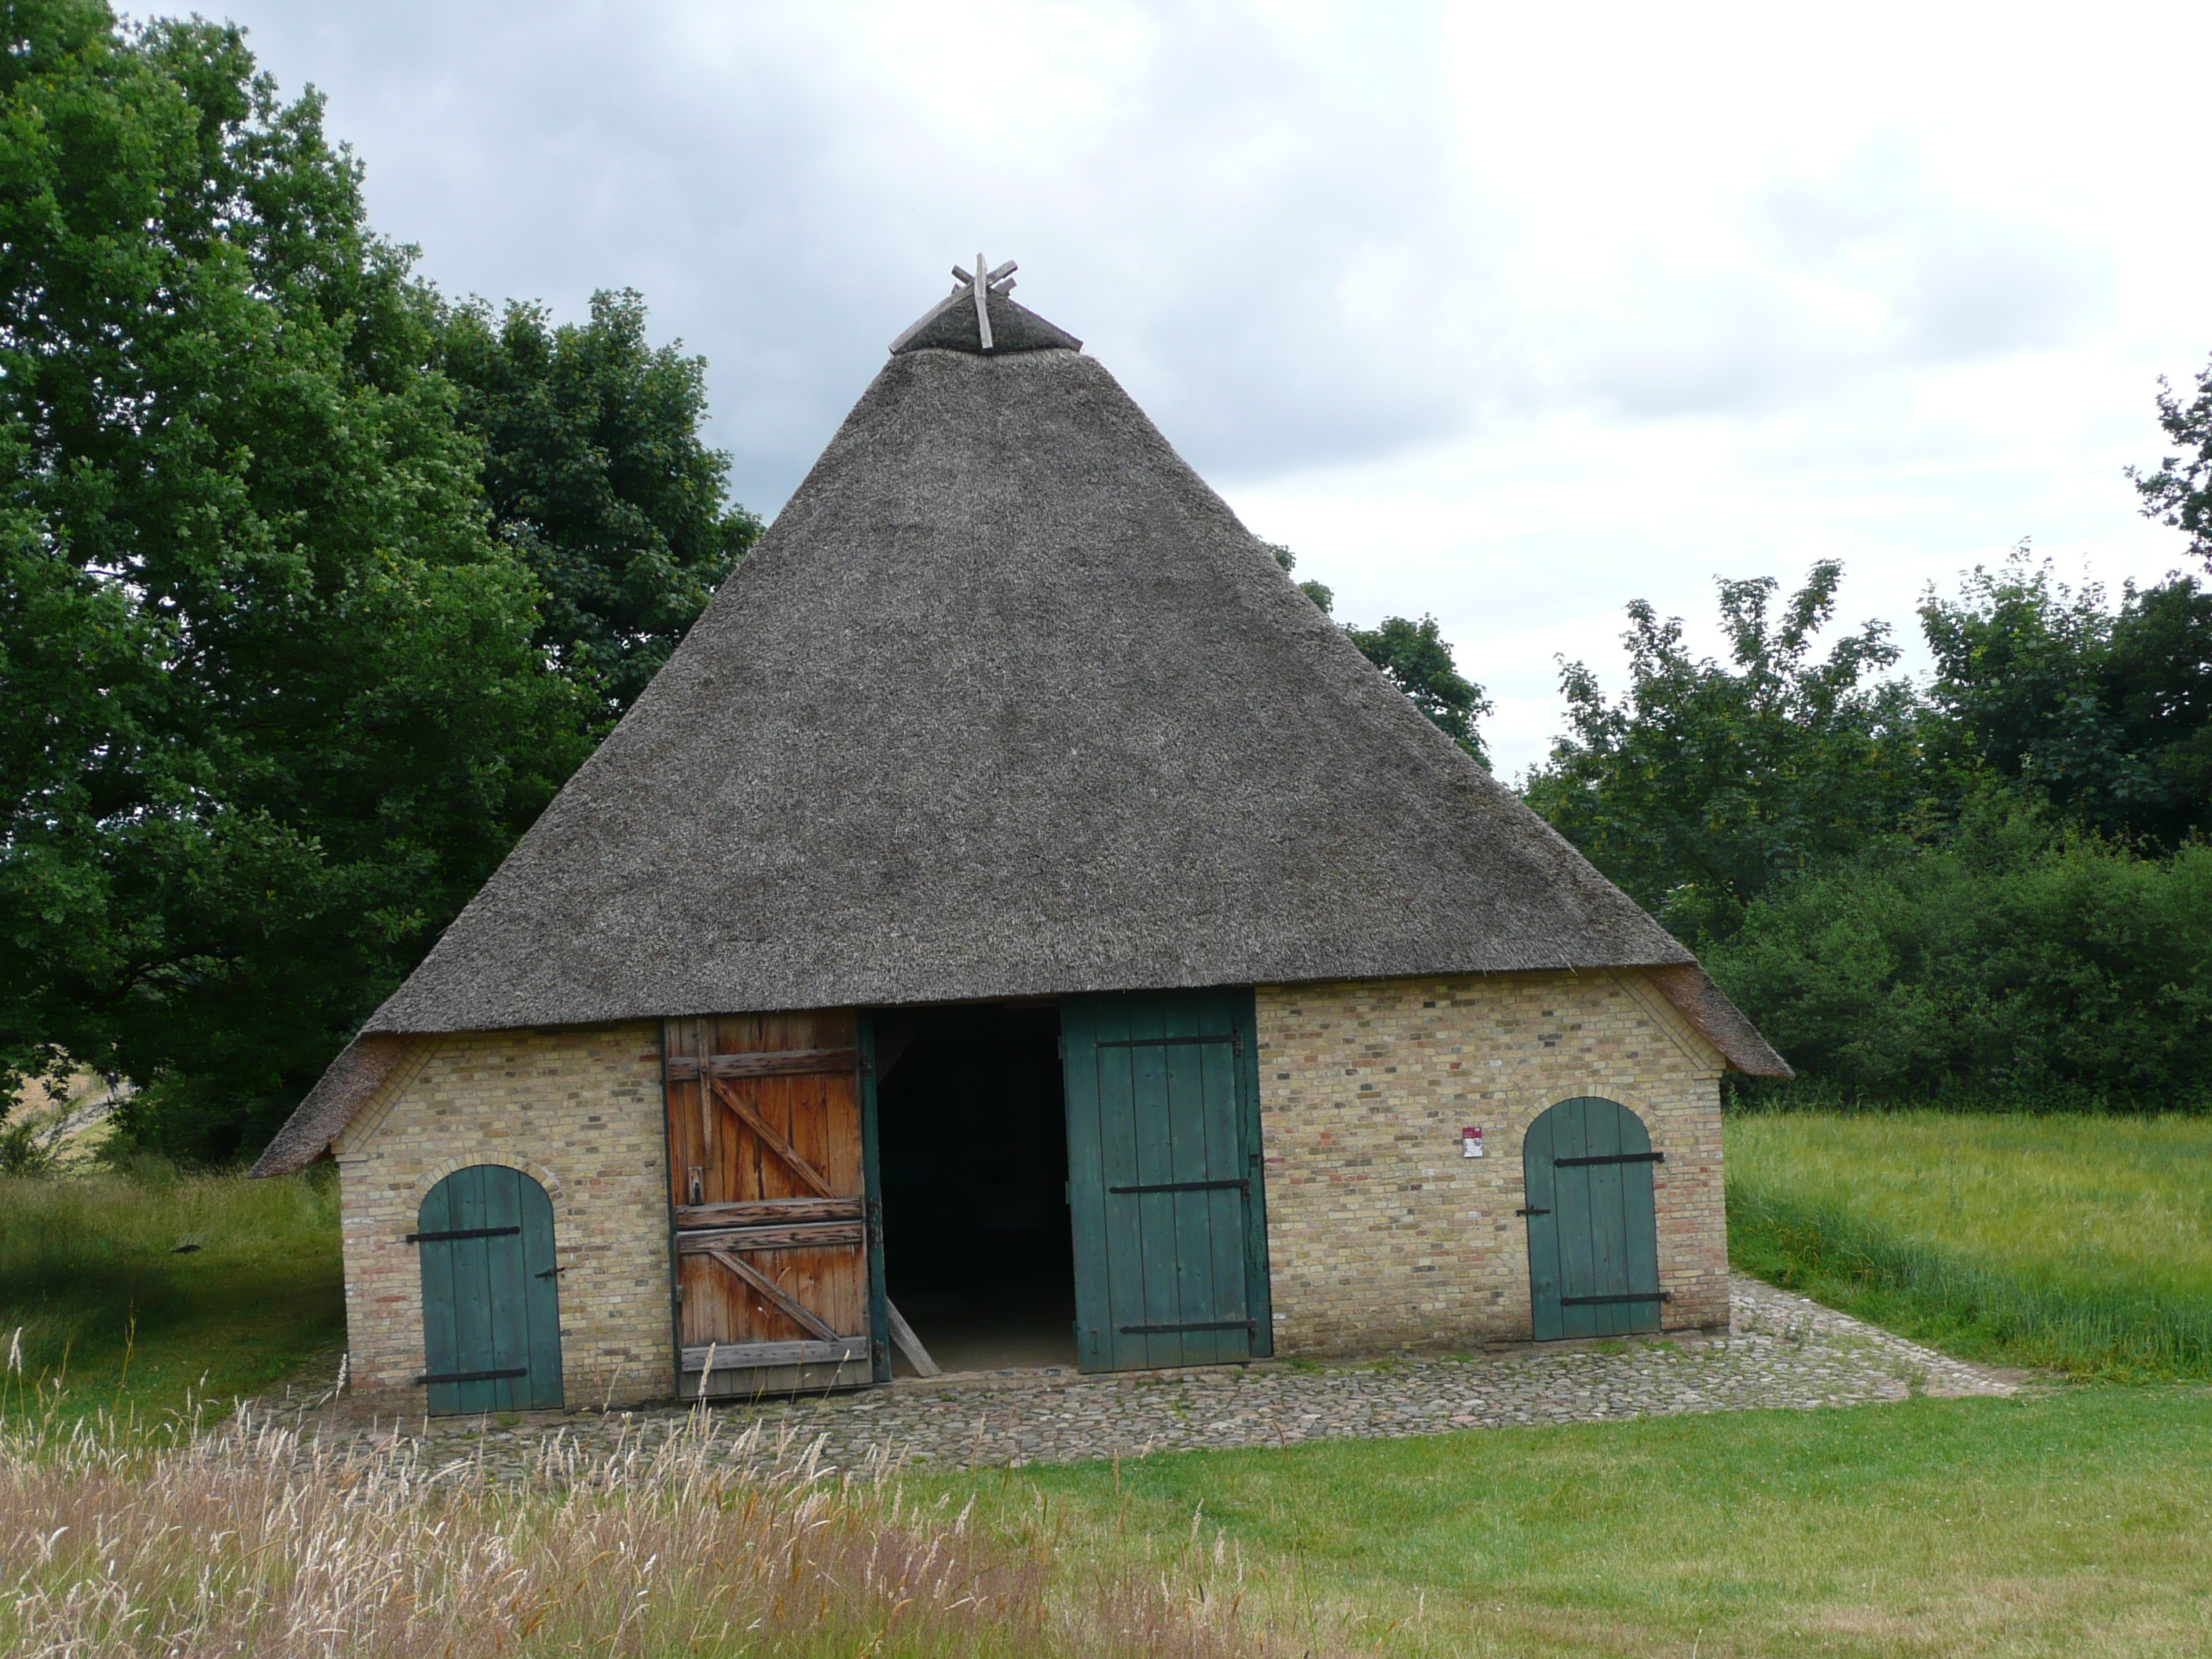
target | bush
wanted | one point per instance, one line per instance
(2010, 962)
(22, 1151)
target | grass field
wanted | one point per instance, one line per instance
(113, 1546)
(2077, 1521)
(2081, 1245)
(108, 1304)
(2072, 1524)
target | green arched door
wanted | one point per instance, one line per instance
(491, 1296)
(1593, 1230)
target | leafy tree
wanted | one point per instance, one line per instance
(1704, 782)
(1320, 592)
(596, 475)
(2008, 960)
(2103, 715)
(2180, 491)
(1415, 658)
(274, 710)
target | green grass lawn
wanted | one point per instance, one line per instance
(2076, 1523)
(111, 1311)
(2083, 1244)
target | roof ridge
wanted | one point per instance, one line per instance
(978, 317)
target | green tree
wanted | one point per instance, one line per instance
(2103, 714)
(1705, 782)
(596, 475)
(273, 708)
(1415, 658)
(1320, 592)
(2180, 492)
(2006, 959)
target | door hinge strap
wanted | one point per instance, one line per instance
(470, 1376)
(1248, 1325)
(1609, 1301)
(1531, 1212)
(1233, 1039)
(461, 1233)
(1610, 1157)
(1243, 1184)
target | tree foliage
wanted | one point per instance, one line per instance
(1415, 658)
(2012, 960)
(2102, 713)
(2180, 492)
(273, 707)
(596, 475)
(1705, 782)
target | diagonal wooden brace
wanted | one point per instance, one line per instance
(775, 1294)
(785, 1152)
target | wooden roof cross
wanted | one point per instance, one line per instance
(982, 283)
(976, 286)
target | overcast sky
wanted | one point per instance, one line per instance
(1512, 314)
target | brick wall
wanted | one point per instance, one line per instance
(1380, 1234)
(579, 1110)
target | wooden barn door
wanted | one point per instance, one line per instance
(768, 1193)
(1164, 1185)
(492, 1302)
(1593, 1229)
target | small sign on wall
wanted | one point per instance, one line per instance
(1470, 1141)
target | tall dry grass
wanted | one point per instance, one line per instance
(252, 1541)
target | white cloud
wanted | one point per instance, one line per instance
(1508, 313)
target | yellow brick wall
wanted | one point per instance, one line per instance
(578, 1110)
(1380, 1234)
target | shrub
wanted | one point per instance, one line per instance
(2007, 963)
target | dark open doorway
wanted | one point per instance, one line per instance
(972, 1146)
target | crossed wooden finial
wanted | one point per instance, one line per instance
(982, 283)
(977, 286)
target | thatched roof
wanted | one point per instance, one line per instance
(1008, 703)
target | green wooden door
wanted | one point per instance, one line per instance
(1165, 1180)
(1593, 1233)
(491, 1298)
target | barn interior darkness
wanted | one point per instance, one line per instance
(972, 1140)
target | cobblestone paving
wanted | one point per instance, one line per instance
(1782, 1351)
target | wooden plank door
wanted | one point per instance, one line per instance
(1586, 1167)
(768, 1197)
(491, 1301)
(1165, 1180)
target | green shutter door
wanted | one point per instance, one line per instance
(491, 1312)
(1164, 1184)
(1593, 1228)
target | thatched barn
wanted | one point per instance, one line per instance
(1018, 927)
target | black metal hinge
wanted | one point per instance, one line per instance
(1251, 1326)
(1234, 1039)
(470, 1376)
(461, 1233)
(1243, 1184)
(1609, 1301)
(1531, 1212)
(553, 1273)
(1610, 1157)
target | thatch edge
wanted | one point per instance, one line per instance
(1691, 989)
(365, 1065)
